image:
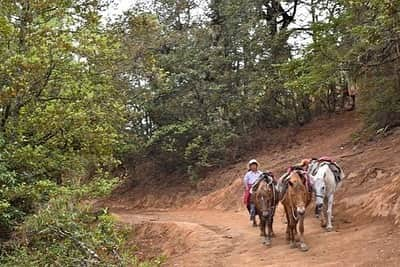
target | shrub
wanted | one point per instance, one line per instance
(66, 232)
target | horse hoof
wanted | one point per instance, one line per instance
(267, 242)
(303, 247)
(262, 234)
(329, 229)
(255, 225)
(293, 245)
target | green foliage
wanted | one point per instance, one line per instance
(18, 197)
(375, 59)
(194, 86)
(191, 146)
(176, 82)
(60, 111)
(61, 121)
(8, 213)
(380, 101)
(355, 46)
(66, 232)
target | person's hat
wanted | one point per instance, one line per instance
(253, 161)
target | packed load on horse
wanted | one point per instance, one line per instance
(301, 168)
(314, 164)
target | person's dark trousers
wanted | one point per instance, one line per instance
(252, 212)
(251, 208)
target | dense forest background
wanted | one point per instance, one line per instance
(181, 84)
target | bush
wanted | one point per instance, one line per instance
(191, 146)
(66, 232)
(19, 198)
(380, 100)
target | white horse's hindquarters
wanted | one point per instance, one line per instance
(324, 173)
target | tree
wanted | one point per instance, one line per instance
(59, 111)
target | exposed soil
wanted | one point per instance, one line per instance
(205, 224)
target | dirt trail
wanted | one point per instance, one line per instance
(207, 226)
(216, 238)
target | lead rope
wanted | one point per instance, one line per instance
(273, 190)
(291, 207)
(293, 214)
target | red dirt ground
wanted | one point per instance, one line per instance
(205, 224)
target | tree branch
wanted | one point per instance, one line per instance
(84, 248)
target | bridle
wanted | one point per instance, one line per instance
(294, 213)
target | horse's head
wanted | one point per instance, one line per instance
(319, 187)
(298, 192)
(265, 195)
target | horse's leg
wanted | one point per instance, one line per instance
(262, 226)
(255, 220)
(287, 225)
(272, 221)
(296, 233)
(253, 213)
(322, 215)
(268, 236)
(292, 234)
(292, 230)
(303, 245)
(329, 227)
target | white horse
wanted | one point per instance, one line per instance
(324, 185)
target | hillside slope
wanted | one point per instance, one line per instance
(205, 224)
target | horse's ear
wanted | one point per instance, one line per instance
(290, 183)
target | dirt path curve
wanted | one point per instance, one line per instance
(218, 238)
(208, 226)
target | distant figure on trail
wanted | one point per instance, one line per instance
(353, 88)
(349, 94)
(249, 179)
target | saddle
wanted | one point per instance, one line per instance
(283, 180)
(336, 170)
(267, 176)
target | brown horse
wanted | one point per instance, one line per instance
(266, 198)
(295, 201)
